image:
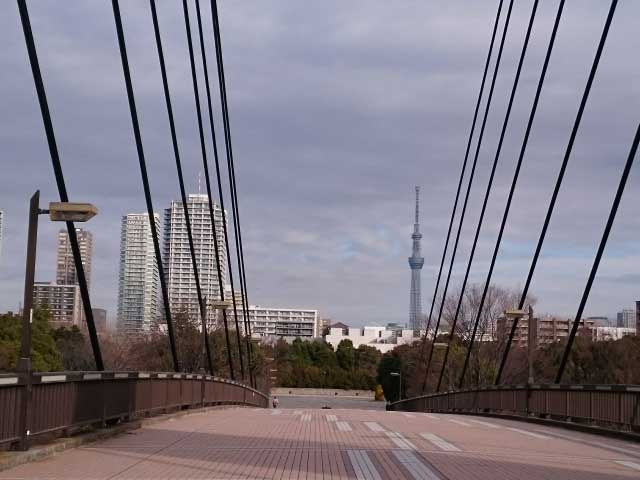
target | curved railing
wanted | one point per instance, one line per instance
(68, 400)
(606, 406)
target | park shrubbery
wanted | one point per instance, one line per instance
(315, 364)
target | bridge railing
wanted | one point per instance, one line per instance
(607, 406)
(64, 401)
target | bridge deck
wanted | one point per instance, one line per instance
(327, 444)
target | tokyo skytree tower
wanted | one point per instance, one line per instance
(415, 262)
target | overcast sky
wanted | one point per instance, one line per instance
(338, 109)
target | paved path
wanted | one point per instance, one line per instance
(329, 444)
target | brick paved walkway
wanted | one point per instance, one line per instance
(328, 444)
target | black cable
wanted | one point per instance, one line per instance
(514, 88)
(232, 177)
(464, 167)
(471, 175)
(145, 181)
(183, 195)
(565, 161)
(220, 192)
(596, 262)
(207, 181)
(57, 169)
(513, 187)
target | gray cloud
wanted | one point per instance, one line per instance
(337, 110)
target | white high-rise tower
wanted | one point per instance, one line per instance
(138, 281)
(176, 257)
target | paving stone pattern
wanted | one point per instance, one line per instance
(244, 443)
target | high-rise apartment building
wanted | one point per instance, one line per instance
(626, 318)
(176, 256)
(65, 267)
(138, 278)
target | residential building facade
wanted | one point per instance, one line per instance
(282, 322)
(626, 318)
(65, 266)
(547, 329)
(178, 268)
(138, 278)
(62, 301)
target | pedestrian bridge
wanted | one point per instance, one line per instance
(258, 443)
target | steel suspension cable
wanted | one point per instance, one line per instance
(208, 184)
(219, 181)
(464, 167)
(59, 175)
(203, 149)
(183, 195)
(470, 183)
(596, 262)
(554, 196)
(514, 88)
(513, 187)
(231, 169)
(145, 181)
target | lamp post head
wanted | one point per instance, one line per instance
(71, 212)
(394, 374)
(515, 313)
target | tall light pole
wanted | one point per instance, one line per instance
(58, 212)
(399, 375)
(516, 315)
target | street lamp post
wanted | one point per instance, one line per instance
(399, 375)
(58, 212)
(516, 315)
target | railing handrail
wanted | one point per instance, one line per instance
(603, 387)
(91, 375)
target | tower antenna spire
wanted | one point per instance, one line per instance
(417, 204)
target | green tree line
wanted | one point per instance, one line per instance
(315, 364)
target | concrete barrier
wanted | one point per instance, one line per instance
(321, 392)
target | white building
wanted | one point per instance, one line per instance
(65, 266)
(282, 322)
(382, 338)
(62, 301)
(138, 278)
(176, 255)
(611, 333)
